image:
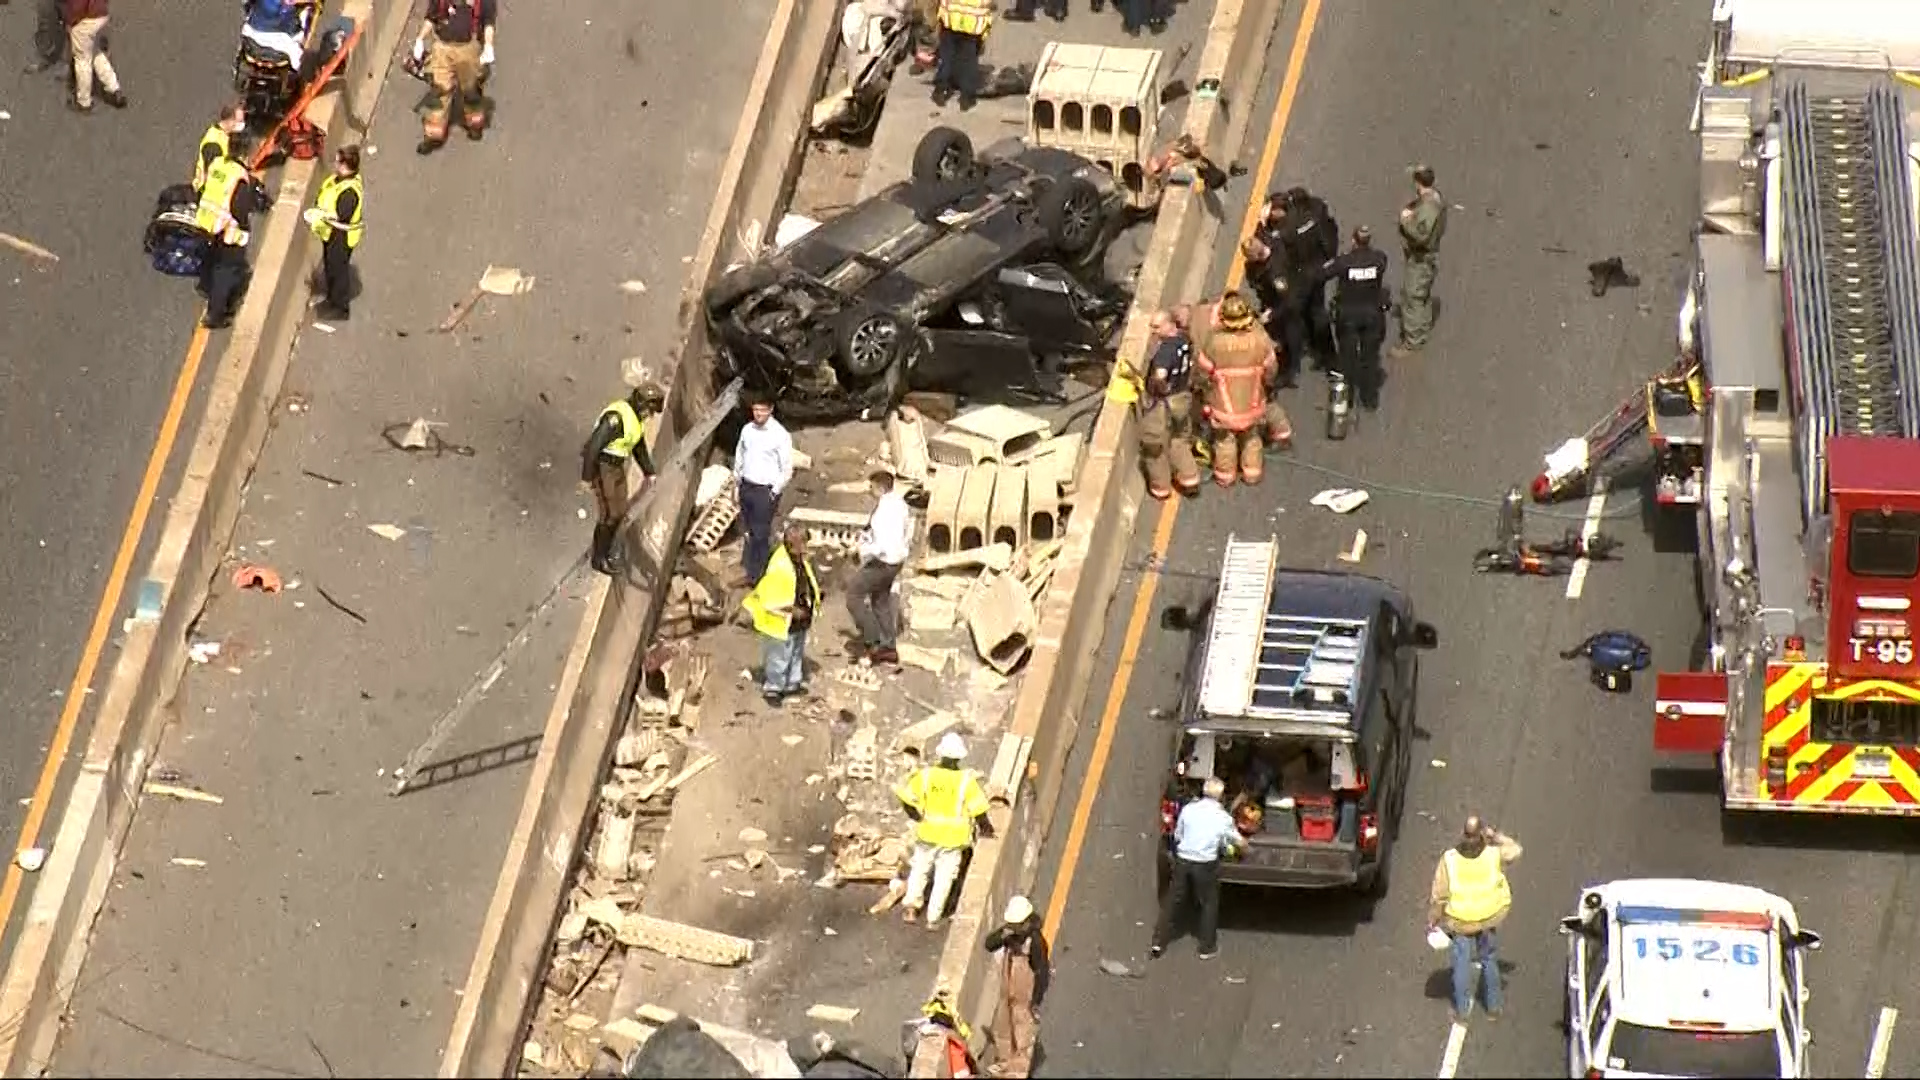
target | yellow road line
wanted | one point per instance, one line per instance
(1170, 510)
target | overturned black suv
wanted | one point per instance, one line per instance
(979, 275)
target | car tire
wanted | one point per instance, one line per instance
(1376, 886)
(870, 341)
(944, 155)
(1070, 211)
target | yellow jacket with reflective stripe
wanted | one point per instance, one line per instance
(214, 216)
(328, 202)
(966, 16)
(1477, 890)
(217, 138)
(948, 800)
(771, 601)
(632, 430)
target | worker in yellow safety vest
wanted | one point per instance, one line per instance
(337, 218)
(963, 36)
(783, 604)
(1470, 900)
(618, 437)
(213, 144)
(947, 805)
(230, 197)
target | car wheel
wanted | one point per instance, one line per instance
(870, 341)
(1376, 887)
(943, 154)
(1070, 211)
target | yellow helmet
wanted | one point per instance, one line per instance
(1235, 312)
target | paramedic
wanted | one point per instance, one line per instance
(213, 144)
(336, 218)
(228, 201)
(947, 805)
(1470, 900)
(1202, 833)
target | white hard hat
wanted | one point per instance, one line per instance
(1019, 910)
(634, 372)
(951, 747)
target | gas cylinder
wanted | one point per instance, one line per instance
(1513, 518)
(1339, 407)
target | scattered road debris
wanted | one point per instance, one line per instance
(254, 576)
(1342, 500)
(175, 791)
(1119, 970)
(505, 281)
(336, 605)
(633, 287)
(323, 478)
(1356, 550)
(27, 247)
(420, 437)
(832, 1014)
(203, 652)
(30, 859)
(387, 532)
(179, 860)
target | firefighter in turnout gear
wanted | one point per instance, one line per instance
(213, 145)
(455, 44)
(1360, 314)
(619, 436)
(1166, 410)
(1239, 362)
(947, 805)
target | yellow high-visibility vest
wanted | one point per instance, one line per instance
(1476, 888)
(948, 800)
(328, 203)
(217, 138)
(771, 601)
(632, 430)
(966, 16)
(214, 215)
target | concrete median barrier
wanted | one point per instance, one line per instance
(1046, 715)
(602, 670)
(68, 892)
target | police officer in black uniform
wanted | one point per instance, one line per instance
(1311, 237)
(1360, 314)
(1272, 279)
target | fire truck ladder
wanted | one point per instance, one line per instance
(1853, 277)
(1239, 621)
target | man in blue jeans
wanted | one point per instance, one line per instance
(1470, 900)
(783, 603)
(763, 462)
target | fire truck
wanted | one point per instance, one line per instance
(1798, 445)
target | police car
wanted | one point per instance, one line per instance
(1672, 977)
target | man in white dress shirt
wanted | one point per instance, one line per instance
(883, 550)
(763, 461)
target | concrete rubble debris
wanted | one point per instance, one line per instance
(714, 479)
(1010, 432)
(1001, 622)
(931, 614)
(862, 754)
(864, 853)
(832, 1014)
(715, 518)
(993, 557)
(916, 737)
(683, 942)
(907, 446)
(933, 660)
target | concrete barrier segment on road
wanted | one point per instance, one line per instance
(602, 671)
(1074, 616)
(69, 890)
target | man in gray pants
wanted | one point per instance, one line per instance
(883, 549)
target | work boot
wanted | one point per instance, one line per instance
(1016, 15)
(602, 558)
(84, 110)
(941, 96)
(429, 145)
(888, 656)
(114, 98)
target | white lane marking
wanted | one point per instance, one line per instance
(1882, 1043)
(1450, 1061)
(1596, 506)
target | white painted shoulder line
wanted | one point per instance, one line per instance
(1882, 1043)
(1450, 1060)
(1596, 506)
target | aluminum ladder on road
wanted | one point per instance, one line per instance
(1239, 623)
(1853, 274)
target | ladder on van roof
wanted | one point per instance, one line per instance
(1233, 652)
(1313, 662)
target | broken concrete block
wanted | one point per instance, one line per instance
(715, 519)
(993, 557)
(1007, 516)
(1001, 621)
(918, 736)
(684, 942)
(714, 479)
(907, 446)
(930, 614)
(957, 450)
(860, 678)
(1062, 457)
(945, 588)
(1009, 431)
(832, 1014)
(636, 748)
(863, 761)
(943, 509)
(614, 846)
(934, 660)
(573, 927)
(1043, 502)
(976, 506)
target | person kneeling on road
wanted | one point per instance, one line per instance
(1166, 411)
(1240, 362)
(947, 805)
(1470, 900)
(782, 604)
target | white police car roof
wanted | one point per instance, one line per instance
(1658, 992)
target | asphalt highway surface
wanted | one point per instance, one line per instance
(1559, 134)
(90, 348)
